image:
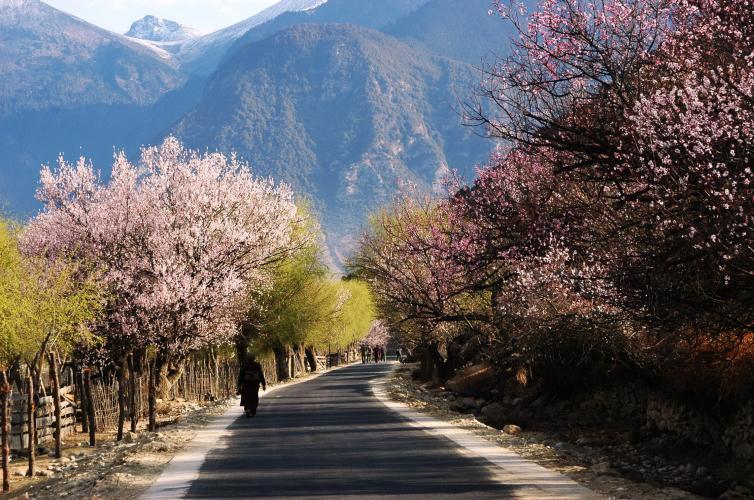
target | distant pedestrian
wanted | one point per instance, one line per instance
(399, 355)
(376, 352)
(364, 353)
(250, 377)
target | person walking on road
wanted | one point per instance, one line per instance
(250, 377)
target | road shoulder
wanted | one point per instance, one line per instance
(532, 480)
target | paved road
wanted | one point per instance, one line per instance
(331, 437)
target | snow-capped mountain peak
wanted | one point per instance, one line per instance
(157, 29)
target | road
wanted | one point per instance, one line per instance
(330, 436)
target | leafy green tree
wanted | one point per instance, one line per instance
(305, 308)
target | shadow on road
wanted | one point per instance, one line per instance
(330, 436)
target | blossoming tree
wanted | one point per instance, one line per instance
(178, 239)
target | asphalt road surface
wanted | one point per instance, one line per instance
(332, 437)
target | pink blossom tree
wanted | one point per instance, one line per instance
(378, 335)
(179, 240)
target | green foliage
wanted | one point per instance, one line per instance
(64, 299)
(14, 303)
(43, 304)
(305, 304)
(354, 315)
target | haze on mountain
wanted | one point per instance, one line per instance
(349, 101)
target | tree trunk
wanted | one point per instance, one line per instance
(432, 363)
(311, 358)
(55, 372)
(134, 412)
(90, 407)
(31, 423)
(121, 397)
(167, 374)
(5, 389)
(152, 396)
(282, 362)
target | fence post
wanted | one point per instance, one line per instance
(31, 424)
(55, 372)
(5, 389)
(90, 406)
(152, 396)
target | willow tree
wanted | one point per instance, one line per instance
(290, 317)
(64, 302)
(14, 313)
(354, 314)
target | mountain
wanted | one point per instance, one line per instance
(365, 14)
(202, 55)
(50, 58)
(347, 100)
(465, 30)
(68, 85)
(157, 29)
(345, 114)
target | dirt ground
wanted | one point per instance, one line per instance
(121, 470)
(600, 459)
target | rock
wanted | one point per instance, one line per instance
(42, 473)
(600, 468)
(474, 380)
(701, 471)
(511, 429)
(737, 491)
(494, 414)
(463, 404)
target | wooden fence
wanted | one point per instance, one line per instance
(45, 418)
(201, 380)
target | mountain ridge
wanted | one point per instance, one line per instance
(374, 117)
(158, 29)
(348, 112)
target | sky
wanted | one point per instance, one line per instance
(204, 15)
